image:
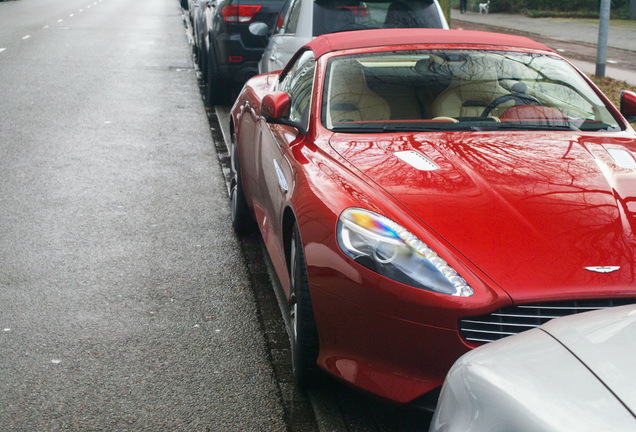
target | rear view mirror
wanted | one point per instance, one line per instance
(628, 105)
(259, 29)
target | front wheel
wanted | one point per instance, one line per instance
(304, 335)
(204, 63)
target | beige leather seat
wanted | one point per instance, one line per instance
(349, 97)
(474, 85)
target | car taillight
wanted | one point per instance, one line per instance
(239, 14)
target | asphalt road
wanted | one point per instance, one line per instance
(123, 299)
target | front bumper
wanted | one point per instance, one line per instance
(388, 356)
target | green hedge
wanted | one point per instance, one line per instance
(511, 6)
(569, 5)
(573, 8)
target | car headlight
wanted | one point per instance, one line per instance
(387, 248)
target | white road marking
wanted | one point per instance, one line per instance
(26, 37)
(2, 49)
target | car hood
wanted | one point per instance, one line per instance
(605, 342)
(532, 210)
(573, 373)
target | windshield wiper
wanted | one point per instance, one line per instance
(357, 129)
(411, 128)
(454, 127)
(596, 126)
(533, 127)
(388, 128)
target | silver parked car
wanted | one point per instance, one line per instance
(302, 20)
(200, 11)
(572, 374)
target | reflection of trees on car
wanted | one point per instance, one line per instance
(299, 86)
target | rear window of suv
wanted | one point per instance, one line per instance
(332, 16)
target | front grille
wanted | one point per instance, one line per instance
(516, 319)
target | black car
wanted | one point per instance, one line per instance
(234, 52)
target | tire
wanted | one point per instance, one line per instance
(204, 64)
(242, 221)
(197, 54)
(303, 335)
(218, 90)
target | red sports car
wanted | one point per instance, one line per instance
(422, 192)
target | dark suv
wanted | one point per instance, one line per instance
(234, 52)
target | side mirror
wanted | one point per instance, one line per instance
(259, 29)
(275, 106)
(275, 110)
(628, 105)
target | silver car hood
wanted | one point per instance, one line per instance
(605, 342)
(572, 374)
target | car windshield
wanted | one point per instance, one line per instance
(332, 16)
(459, 90)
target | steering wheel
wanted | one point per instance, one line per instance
(519, 98)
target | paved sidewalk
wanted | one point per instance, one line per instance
(621, 36)
(622, 33)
